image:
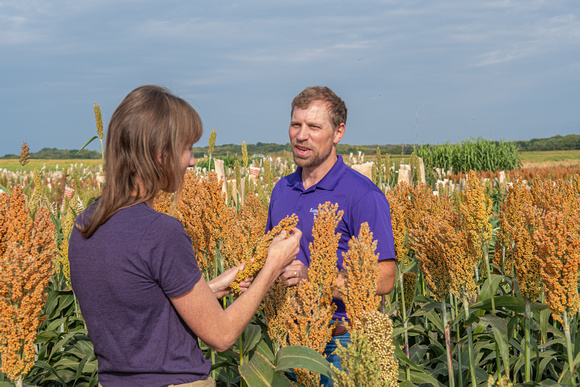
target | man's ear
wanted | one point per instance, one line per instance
(339, 132)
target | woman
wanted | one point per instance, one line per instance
(133, 270)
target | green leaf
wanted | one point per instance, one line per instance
(88, 142)
(400, 330)
(265, 350)
(260, 372)
(514, 304)
(489, 287)
(5, 189)
(500, 333)
(51, 371)
(434, 318)
(544, 319)
(298, 356)
(420, 376)
(250, 338)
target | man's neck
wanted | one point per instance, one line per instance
(312, 175)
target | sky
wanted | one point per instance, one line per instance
(424, 72)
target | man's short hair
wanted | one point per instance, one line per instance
(336, 106)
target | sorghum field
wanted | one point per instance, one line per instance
(486, 290)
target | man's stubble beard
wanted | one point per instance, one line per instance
(315, 160)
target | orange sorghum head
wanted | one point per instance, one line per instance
(476, 211)
(256, 261)
(305, 311)
(361, 273)
(518, 219)
(558, 255)
(202, 210)
(27, 248)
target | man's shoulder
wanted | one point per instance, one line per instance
(357, 182)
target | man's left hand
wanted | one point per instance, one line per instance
(294, 273)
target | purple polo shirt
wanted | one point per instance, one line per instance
(359, 198)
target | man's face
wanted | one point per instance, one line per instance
(312, 135)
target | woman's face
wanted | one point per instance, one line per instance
(187, 159)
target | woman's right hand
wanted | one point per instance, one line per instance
(283, 250)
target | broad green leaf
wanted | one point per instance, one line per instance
(500, 333)
(489, 287)
(420, 376)
(84, 365)
(62, 343)
(400, 355)
(544, 319)
(514, 304)
(67, 363)
(426, 308)
(45, 337)
(259, 372)
(303, 357)
(55, 325)
(400, 330)
(265, 350)
(434, 318)
(50, 369)
(250, 338)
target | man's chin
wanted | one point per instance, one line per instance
(301, 161)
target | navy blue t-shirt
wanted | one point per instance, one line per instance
(361, 200)
(123, 277)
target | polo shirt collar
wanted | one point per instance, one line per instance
(328, 182)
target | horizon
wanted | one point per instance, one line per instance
(287, 143)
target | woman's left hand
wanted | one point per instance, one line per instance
(220, 285)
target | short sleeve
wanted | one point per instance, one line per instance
(168, 253)
(373, 208)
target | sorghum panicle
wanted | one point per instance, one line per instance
(27, 248)
(24, 154)
(369, 360)
(256, 261)
(361, 274)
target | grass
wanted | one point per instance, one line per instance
(565, 158)
(13, 165)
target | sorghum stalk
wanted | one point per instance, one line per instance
(459, 356)
(448, 346)
(404, 317)
(487, 266)
(241, 347)
(569, 349)
(470, 347)
(527, 317)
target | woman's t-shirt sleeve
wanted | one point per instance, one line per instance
(167, 251)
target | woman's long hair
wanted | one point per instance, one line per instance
(147, 135)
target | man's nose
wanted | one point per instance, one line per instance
(302, 133)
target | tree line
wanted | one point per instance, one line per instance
(569, 142)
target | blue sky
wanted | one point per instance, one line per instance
(501, 70)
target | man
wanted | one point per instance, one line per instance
(317, 125)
